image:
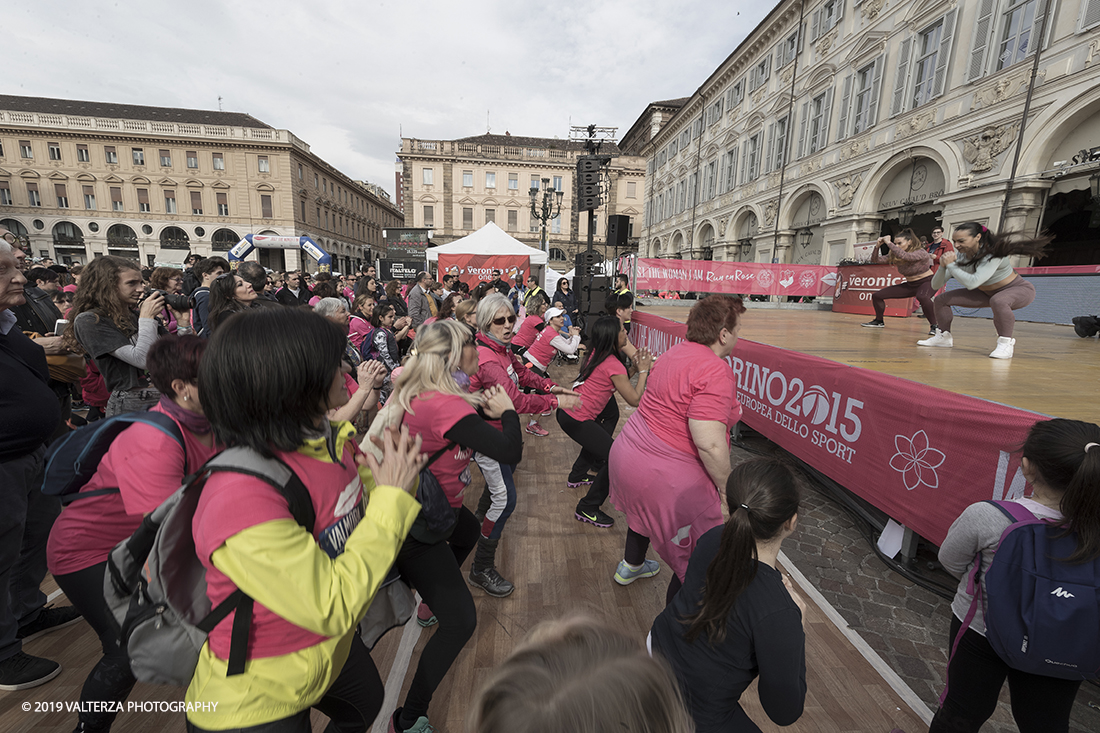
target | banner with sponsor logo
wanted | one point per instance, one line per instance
(856, 284)
(744, 278)
(474, 269)
(403, 270)
(918, 453)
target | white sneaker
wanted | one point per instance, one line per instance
(942, 338)
(1004, 348)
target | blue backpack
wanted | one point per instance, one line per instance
(72, 460)
(1042, 615)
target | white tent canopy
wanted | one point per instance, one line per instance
(489, 240)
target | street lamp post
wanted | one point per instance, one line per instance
(546, 209)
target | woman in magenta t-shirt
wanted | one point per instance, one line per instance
(532, 325)
(432, 398)
(593, 423)
(146, 466)
(680, 435)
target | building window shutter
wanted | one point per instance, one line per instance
(825, 122)
(876, 88)
(744, 159)
(116, 194)
(771, 148)
(59, 191)
(265, 206)
(1090, 14)
(803, 125)
(901, 79)
(733, 169)
(983, 29)
(815, 25)
(845, 107)
(196, 202)
(944, 56)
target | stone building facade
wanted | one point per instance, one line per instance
(455, 187)
(84, 179)
(836, 120)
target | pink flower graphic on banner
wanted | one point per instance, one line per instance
(916, 461)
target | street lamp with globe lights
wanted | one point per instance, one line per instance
(546, 209)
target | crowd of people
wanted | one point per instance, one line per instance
(361, 391)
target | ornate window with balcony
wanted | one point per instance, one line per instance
(174, 238)
(120, 235)
(224, 240)
(67, 234)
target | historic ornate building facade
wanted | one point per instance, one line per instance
(836, 120)
(455, 187)
(83, 179)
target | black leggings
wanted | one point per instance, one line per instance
(920, 289)
(636, 547)
(351, 704)
(975, 676)
(433, 569)
(594, 438)
(110, 679)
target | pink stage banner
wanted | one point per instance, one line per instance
(745, 278)
(918, 453)
(1060, 270)
(856, 283)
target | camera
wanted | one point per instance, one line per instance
(175, 301)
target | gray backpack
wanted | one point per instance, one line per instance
(155, 584)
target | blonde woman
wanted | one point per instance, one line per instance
(432, 398)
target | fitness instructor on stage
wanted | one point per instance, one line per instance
(914, 263)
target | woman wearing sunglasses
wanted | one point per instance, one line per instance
(498, 366)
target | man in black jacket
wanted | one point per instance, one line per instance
(29, 415)
(295, 291)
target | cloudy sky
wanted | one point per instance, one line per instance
(350, 78)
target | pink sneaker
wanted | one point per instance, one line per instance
(424, 616)
(536, 429)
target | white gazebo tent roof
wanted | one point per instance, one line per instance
(489, 240)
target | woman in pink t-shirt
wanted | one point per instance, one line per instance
(680, 435)
(532, 325)
(593, 423)
(142, 468)
(432, 399)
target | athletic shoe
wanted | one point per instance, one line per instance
(22, 672)
(547, 413)
(490, 581)
(932, 331)
(625, 575)
(586, 481)
(572, 358)
(1004, 348)
(49, 619)
(424, 616)
(874, 324)
(536, 429)
(941, 338)
(420, 726)
(598, 518)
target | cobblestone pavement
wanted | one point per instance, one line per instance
(904, 623)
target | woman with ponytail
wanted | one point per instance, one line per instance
(592, 424)
(983, 268)
(432, 398)
(737, 616)
(1061, 461)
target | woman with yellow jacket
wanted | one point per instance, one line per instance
(272, 375)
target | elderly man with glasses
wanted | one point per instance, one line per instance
(29, 414)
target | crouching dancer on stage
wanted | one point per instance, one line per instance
(737, 616)
(983, 268)
(267, 380)
(914, 263)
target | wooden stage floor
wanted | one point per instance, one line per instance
(1053, 372)
(558, 565)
